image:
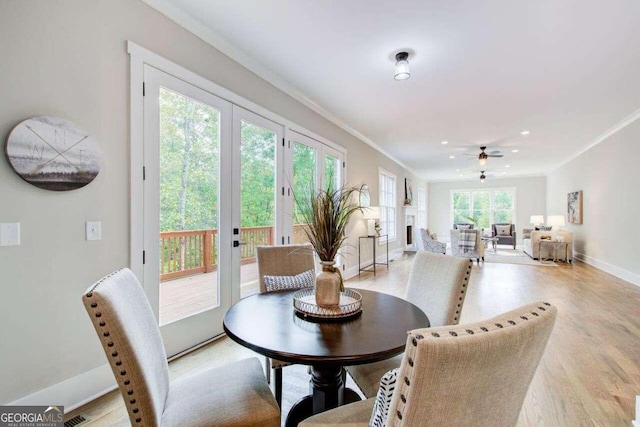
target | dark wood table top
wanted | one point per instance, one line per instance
(267, 324)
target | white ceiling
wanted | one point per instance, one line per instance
(481, 71)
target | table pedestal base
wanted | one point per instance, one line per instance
(327, 391)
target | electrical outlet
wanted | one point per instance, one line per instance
(10, 234)
(93, 230)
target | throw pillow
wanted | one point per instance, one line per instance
(383, 399)
(543, 228)
(287, 283)
(503, 230)
(463, 226)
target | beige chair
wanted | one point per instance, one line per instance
(477, 253)
(285, 260)
(233, 395)
(438, 286)
(467, 375)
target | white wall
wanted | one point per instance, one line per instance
(68, 58)
(530, 200)
(608, 174)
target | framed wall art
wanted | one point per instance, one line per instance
(574, 207)
(52, 153)
(408, 192)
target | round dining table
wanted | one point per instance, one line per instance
(267, 324)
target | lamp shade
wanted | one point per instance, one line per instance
(402, 66)
(555, 220)
(372, 212)
(536, 219)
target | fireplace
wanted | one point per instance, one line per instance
(410, 219)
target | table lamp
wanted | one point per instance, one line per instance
(555, 221)
(536, 219)
(371, 214)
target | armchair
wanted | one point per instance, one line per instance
(477, 253)
(430, 244)
(505, 232)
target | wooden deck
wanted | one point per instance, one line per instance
(189, 295)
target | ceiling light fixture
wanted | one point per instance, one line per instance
(482, 158)
(444, 142)
(482, 177)
(452, 157)
(402, 66)
(514, 151)
(525, 132)
(507, 166)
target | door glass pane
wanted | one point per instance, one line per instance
(304, 181)
(189, 174)
(332, 171)
(257, 194)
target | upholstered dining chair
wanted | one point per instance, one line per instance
(236, 394)
(275, 262)
(468, 375)
(438, 286)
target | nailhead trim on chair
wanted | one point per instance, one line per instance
(411, 350)
(114, 354)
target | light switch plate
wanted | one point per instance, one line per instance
(10, 234)
(93, 230)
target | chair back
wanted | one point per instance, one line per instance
(511, 230)
(130, 337)
(284, 260)
(471, 375)
(438, 286)
(455, 225)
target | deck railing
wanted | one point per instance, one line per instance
(183, 253)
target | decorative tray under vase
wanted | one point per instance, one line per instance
(304, 304)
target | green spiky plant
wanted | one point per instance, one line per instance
(326, 214)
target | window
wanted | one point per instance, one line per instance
(485, 206)
(422, 208)
(387, 204)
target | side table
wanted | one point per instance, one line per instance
(554, 246)
(374, 262)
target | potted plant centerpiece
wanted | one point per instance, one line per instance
(325, 214)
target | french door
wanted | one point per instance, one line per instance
(218, 180)
(187, 167)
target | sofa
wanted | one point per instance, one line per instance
(531, 245)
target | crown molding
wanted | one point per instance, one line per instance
(601, 138)
(189, 23)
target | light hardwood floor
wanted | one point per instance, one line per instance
(588, 376)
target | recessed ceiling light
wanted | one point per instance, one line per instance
(525, 132)
(460, 175)
(452, 157)
(507, 166)
(514, 151)
(457, 170)
(444, 142)
(504, 173)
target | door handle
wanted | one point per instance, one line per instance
(237, 243)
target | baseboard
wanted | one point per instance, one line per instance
(393, 254)
(609, 268)
(73, 392)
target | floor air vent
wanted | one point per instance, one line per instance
(76, 421)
